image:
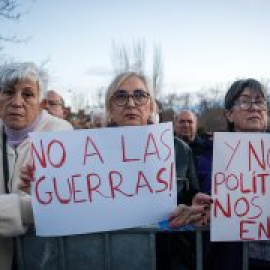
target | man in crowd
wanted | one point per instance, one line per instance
(54, 104)
(185, 128)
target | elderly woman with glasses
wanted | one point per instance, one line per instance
(245, 111)
(129, 101)
(21, 90)
(246, 106)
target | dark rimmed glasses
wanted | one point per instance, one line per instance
(121, 97)
(247, 103)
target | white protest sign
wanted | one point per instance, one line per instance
(102, 179)
(241, 187)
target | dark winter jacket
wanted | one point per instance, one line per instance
(187, 182)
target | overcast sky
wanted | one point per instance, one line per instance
(203, 42)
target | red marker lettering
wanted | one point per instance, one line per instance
(218, 206)
(74, 178)
(38, 182)
(165, 144)
(263, 230)
(259, 157)
(244, 230)
(124, 156)
(62, 200)
(95, 153)
(116, 186)
(94, 188)
(35, 152)
(161, 181)
(63, 158)
(151, 142)
(142, 182)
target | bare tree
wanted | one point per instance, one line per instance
(266, 83)
(120, 58)
(185, 100)
(100, 97)
(170, 100)
(124, 60)
(9, 10)
(178, 101)
(79, 101)
(209, 98)
(203, 104)
(139, 57)
(213, 120)
(157, 76)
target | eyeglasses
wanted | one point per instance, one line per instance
(54, 103)
(121, 97)
(246, 103)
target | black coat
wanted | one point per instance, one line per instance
(187, 181)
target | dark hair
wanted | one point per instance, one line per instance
(236, 89)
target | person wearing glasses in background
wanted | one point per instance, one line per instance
(129, 101)
(54, 104)
(245, 111)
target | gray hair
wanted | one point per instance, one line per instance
(113, 87)
(48, 92)
(12, 73)
(177, 113)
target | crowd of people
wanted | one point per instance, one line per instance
(27, 105)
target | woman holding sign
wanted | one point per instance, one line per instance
(130, 102)
(245, 111)
(21, 90)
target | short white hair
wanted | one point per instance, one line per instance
(11, 73)
(48, 92)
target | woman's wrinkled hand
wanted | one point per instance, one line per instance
(202, 199)
(197, 214)
(185, 214)
(27, 176)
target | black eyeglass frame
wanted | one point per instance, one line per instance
(247, 104)
(144, 98)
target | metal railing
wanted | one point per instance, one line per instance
(131, 249)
